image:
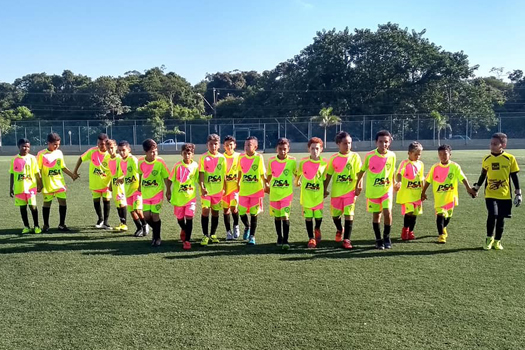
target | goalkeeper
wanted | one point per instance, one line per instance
(497, 169)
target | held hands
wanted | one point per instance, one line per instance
(472, 192)
(326, 193)
(204, 191)
(75, 176)
(358, 190)
(397, 186)
(168, 195)
(423, 197)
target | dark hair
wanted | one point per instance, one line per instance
(148, 144)
(230, 138)
(111, 142)
(340, 136)
(213, 137)
(315, 140)
(188, 147)
(53, 137)
(445, 147)
(383, 133)
(124, 143)
(22, 142)
(102, 136)
(414, 146)
(249, 138)
(283, 141)
(500, 136)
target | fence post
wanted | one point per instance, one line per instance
(499, 124)
(285, 128)
(434, 133)
(88, 132)
(418, 127)
(39, 133)
(264, 137)
(403, 134)
(371, 132)
(79, 140)
(135, 134)
(63, 128)
(466, 132)
(16, 136)
(364, 128)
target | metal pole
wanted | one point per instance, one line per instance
(264, 137)
(63, 128)
(403, 133)
(135, 133)
(190, 133)
(79, 140)
(418, 127)
(88, 132)
(499, 124)
(16, 136)
(434, 133)
(364, 127)
(466, 132)
(371, 132)
(39, 133)
(25, 132)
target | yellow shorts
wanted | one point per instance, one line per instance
(106, 194)
(377, 205)
(23, 199)
(48, 197)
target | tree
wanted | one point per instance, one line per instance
(441, 122)
(176, 131)
(326, 119)
(10, 115)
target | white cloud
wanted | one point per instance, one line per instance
(305, 5)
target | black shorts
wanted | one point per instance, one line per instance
(499, 207)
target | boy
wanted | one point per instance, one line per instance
(129, 176)
(183, 196)
(310, 177)
(230, 200)
(212, 170)
(252, 185)
(444, 177)
(154, 175)
(379, 166)
(279, 179)
(52, 165)
(410, 178)
(344, 167)
(117, 187)
(498, 168)
(99, 179)
(24, 183)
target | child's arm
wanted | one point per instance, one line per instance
(481, 180)
(11, 185)
(470, 190)
(73, 176)
(423, 192)
(168, 189)
(397, 184)
(267, 183)
(326, 183)
(39, 185)
(79, 163)
(204, 191)
(517, 189)
(359, 186)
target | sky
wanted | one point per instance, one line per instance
(193, 38)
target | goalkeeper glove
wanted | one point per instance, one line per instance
(475, 187)
(517, 200)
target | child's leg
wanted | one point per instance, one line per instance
(338, 224)
(235, 216)
(156, 226)
(98, 209)
(310, 228)
(189, 227)
(226, 216)
(286, 230)
(387, 214)
(278, 229)
(412, 225)
(318, 222)
(214, 221)
(107, 209)
(46, 211)
(34, 214)
(440, 223)
(491, 224)
(349, 222)
(136, 220)
(446, 222)
(253, 224)
(23, 213)
(500, 225)
(376, 220)
(62, 211)
(406, 220)
(205, 219)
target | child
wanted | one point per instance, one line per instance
(24, 183)
(344, 167)
(310, 177)
(379, 167)
(52, 165)
(99, 180)
(252, 184)
(230, 200)
(117, 187)
(497, 168)
(212, 170)
(409, 182)
(279, 178)
(129, 176)
(153, 179)
(444, 177)
(183, 196)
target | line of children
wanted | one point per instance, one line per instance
(226, 181)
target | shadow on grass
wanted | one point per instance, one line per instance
(119, 244)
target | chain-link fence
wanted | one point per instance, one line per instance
(362, 128)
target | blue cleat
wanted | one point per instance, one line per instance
(251, 241)
(246, 234)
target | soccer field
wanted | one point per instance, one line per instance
(102, 290)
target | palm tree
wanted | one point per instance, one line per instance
(326, 119)
(176, 131)
(441, 124)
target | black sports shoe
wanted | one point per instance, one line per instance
(139, 233)
(63, 228)
(387, 242)
(279, 240)
(45, 229)
(379, 244)
(145, 230)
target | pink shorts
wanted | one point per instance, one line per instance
(134, 201)
(250, 204)
(213, 201)
(340, 203)
(187, 210)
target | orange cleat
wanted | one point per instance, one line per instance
(411, 235)
(339, 236)
(317, 233)
(312, 243)
(404, 233)
(347, 244)
(186, 245)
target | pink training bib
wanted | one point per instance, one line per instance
(411, 170)
(376, 164)
(146, 169)
(124, 167)
(246, 164)
(441, 173)
(97, 158)
(49, 160)
(339, 163)
(210, 163)
(229, 164)
(19, 164)
(310, 169)
(277, 168)
(112, 166)
(183, 174)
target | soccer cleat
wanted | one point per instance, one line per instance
(445, 232)
(26, 230)
(251, 240)
(379, 244)
(99, 224)
(339, 236)
(404, 233)
(158, 242)
(312, 243)
(497, 245)
(279, 241)
(37, 230)
(139, 232)
(45, 229)
(145, 231)
(347, 244)
(186, 245)
(387, 243)
(153, 242)
(182, 235)
(123, 227)
(489, 241)
(442, 239)
(246, 234)
(116, 228)
(106, 227)
(63, 228)
(285, 246)
(411, 235)
(236, 231)
(229, 236)
(205, 240)
(317, 233)
(214, 239)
